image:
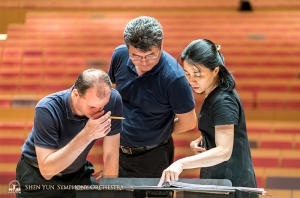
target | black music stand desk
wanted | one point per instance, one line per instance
(124, 188)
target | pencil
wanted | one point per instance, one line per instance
(116, 118)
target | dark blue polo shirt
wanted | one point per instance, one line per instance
(151, 100)
(55, 125)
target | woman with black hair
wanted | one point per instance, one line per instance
(222, 150)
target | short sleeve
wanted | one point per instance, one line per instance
(116, 107)
(181, 96)
(46, 134)
(111, 69)
(225, 111)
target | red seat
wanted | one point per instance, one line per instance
(276, 144)
(276, 88)
(5, 102)
(20, 126)
(17, 141)
(287, 130)
(7, 177)
(259, 181)
(265, 161)
(290, 159)
(259, 127)
(182, 142)
(10, 62)
(277, 141)
(290, 162)
(10, 157)
(265, 157)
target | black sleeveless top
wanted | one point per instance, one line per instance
(224, 108)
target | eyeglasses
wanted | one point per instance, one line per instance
(147, 58)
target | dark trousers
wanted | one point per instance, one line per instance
(149, 164)
(33, 184)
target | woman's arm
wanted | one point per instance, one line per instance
(224, 135)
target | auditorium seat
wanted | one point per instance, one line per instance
(297, 141)
(10, 75)
(9, 157)
(282, 182)
(183, 140)
(295, 85)
(276, 141)
(269, 100)
(9, 62)
(278, 193)
(295, 193)
(5, 100)
(55, 85)
(290, 159)
(287, 127)
(31, 87)
(253, 86)
(53, 62)
(14, 117)
(32, 52)
(32, 62)
(259, 174)
(259, 127)
(292, 101)
(10, 127)
(261, 73)
(265, 157)
(282, 178)
(54, 74)
(285, 73)
(12, 139)
(276, 86)
(253, 139)
(54, 52)
(29, 74)
(247, 98)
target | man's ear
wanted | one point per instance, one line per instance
(75, 92)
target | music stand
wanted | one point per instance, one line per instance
(124, 188)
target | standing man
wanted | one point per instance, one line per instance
(66, 126)
(155, 92)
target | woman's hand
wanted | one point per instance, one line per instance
(171, 173)
(196, 146)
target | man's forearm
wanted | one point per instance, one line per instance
(60, 159)
(111, 165)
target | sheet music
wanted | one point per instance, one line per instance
(215, 187)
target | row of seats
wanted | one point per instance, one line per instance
(21, 118)
(13, 66)
(94, 4)
(24, 94)
(271, 99)
(274, 141)
(278, 178)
